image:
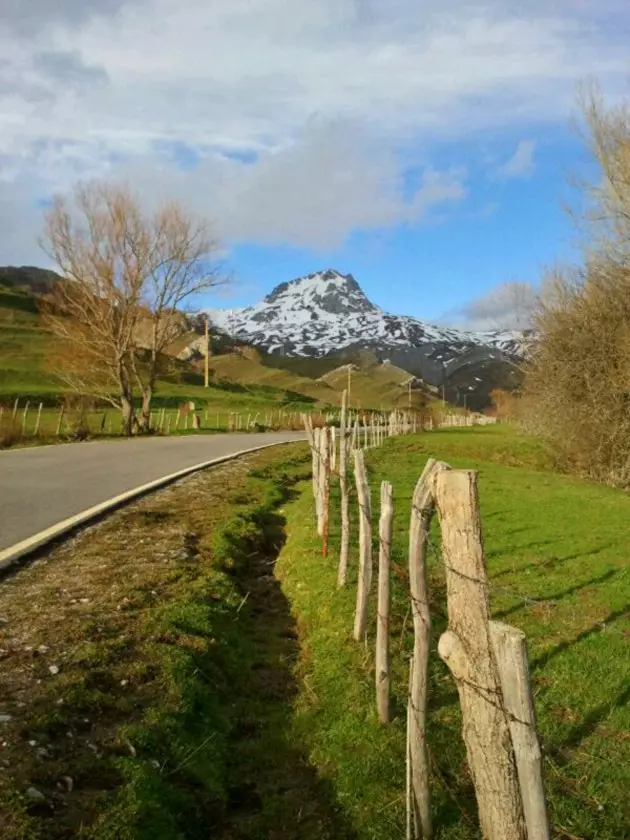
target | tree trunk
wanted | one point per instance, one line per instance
(145, 411)
(127, 415)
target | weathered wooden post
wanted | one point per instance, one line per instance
(39, 418)
(343, 487)
(325, 437)
(422, 509)
(365, 547)
(333, 449)
(24, 418)
(60, 420)
(355, 435)
(467, 650)
(510, 651)
(15, 410)
(323, 479)
(382, 624)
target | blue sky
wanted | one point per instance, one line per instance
(423, 147)
(509, 227)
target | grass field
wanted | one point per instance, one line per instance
(557, 553)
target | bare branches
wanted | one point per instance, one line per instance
(127, 278)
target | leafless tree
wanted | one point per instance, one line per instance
(127, 276)
(578, 382)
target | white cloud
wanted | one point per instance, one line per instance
(505, 307)
(318, 98)
(521, 163)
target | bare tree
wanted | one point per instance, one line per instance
(127, 276)
(578, 381)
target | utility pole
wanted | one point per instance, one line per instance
(207, 356)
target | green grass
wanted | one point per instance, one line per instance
(559, 543)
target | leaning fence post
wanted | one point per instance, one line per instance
(325, 439)
(422, 509)
(365, 547)
(39, 418)
(343, 486)
(382, 622)
(510, 650)
(467, 651)
(24, 417)
(60, 420)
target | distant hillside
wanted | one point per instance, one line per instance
(238, 371)
(27, 278)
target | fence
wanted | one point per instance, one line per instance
(23, 421)
(488, 660)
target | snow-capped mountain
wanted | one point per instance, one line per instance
(327, 313)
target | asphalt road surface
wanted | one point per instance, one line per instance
(42, 486)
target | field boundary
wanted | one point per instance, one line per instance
(9, 556)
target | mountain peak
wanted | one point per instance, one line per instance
(329, 291)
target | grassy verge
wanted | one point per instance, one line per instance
(146, 673)
(557, 558)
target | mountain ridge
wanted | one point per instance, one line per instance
(315, 297)
(326, 313)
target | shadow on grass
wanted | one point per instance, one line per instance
(557, 596)
(272, 790)
(541, 661)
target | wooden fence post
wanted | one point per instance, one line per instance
(365, 547)
(333, 449)
(39, 418)
(343, 487)
(326, 489)
(323, 480)
(382, 623)
(355, 435)
(60, 420)
(24, 417)
(467, 650)
(422, 509)
(15, 410)
(510, 650)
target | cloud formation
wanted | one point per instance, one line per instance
(506, 307)
(286, 121)
(521, 163)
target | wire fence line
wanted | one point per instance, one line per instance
(487, 659)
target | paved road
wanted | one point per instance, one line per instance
(42, 486)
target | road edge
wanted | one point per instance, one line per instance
(9, 556)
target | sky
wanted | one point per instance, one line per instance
(424, 147)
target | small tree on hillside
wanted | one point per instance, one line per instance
(127, 276)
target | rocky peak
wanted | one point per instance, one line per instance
(328, 291)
